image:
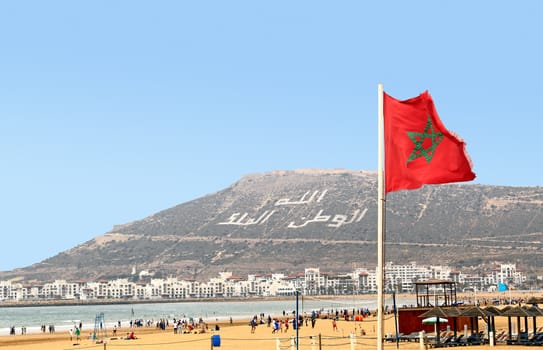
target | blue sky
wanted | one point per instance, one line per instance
(113, 110)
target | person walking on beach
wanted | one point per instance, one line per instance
(253, 324)
(334, 325)
(275, 326)
(71, 334)
(77, 334)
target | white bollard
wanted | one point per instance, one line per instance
(491, 338)
(292, 343)
(465, 330)
(353, 341)
(277, 344)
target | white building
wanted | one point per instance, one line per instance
(314, 283)
(400, 278)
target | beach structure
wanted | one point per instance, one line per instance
(523, 335)
(99, 327)
(435, 298)
(448, 322)
(435, 293)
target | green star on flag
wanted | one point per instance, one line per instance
(419, 139)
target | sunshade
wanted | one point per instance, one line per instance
(434, 320)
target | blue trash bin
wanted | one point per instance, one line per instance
(216, 340)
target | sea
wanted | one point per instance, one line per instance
(65, 317)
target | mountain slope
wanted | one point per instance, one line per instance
(284, 221)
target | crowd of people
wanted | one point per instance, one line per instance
(192, 325)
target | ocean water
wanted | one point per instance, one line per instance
(65, 317)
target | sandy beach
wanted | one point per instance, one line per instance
(232, 336)
(237, 335)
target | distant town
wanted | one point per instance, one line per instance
(142, 286)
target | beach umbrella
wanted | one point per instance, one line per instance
(517, 312)
(474, 313)
(436, 311)
(432, 316)
(493, 312)
(434, 320)
(453, 312)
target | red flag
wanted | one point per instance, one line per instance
(418, 148)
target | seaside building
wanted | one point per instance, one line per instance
(508, 273)
(60, 289)
(120, 289)
(341, 284)
(313, 282)
(363, 281)
(399, 278)
(172, 288)
(11, 291)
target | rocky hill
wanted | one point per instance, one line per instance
(284, 221)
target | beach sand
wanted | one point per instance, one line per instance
(238, 335)
(235, 336)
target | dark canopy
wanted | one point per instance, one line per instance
(476, 311)
(435, 312)
(493, 310)
(535, 300)
(516, 311)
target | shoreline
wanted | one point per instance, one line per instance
(72, 302)
(75, 302)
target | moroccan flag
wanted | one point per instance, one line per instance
(418, 148)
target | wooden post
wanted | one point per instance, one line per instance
(320, 342)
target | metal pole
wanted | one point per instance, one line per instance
(297, 323)
(395, 319)
(302, 303)
(380, 221)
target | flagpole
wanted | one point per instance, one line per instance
(380, 221)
